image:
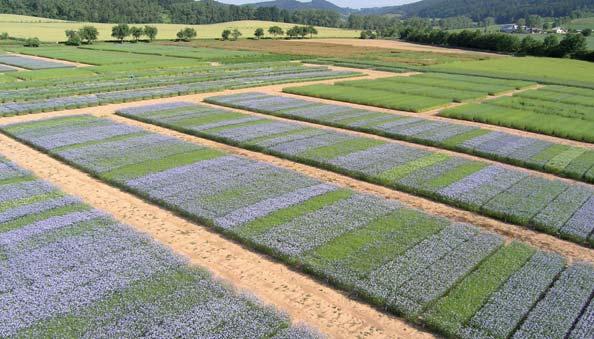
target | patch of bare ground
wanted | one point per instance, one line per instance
(393, 44)
(303, 298)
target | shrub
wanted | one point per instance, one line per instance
(120, 32)
(151, 32)
(73, 38)
(88, 33)
(32, 42)
(259, 33)
(136, 32)
(225, 34)
(186, 34)
(275, 30)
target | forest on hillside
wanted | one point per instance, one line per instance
(163, 11)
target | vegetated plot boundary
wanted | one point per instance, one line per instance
(558, 111)
(403, 167)
(306, 300)
(443, 260)
(555, 157)
(88, 274)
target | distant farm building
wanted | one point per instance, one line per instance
(508, 28)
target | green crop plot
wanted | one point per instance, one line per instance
(90, 57)
(203, 54)
(564, 112)
(371, 97)
(547, 70)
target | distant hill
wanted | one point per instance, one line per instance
(501, 10)
(292, 5)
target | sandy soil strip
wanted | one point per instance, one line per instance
(304, 299)
(71, 63)
(394, 44)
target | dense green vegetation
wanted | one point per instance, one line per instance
(416, 93)
(556, 111)
(371, 97)
(163, 11)
(501, 10)
(545, 70)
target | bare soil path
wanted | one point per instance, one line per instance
(392, 44)
(303, 298)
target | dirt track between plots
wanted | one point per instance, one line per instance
(304, 299)
(393, 44)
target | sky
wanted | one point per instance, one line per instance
(341, 3)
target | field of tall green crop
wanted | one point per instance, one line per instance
(370, 97)
(560, 111)
(547, 70)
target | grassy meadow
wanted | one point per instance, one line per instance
(550, 70)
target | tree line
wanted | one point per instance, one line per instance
(164, 11)
(572, 45)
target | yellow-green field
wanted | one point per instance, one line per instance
(25, 18)
(54, 31)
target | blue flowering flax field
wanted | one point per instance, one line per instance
(560, 159)
(509, 194)
(455, 278)
(41, 96)
(68, 270)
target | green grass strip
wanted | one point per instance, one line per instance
(97, 142)
(456, 174)
(16, 180)
(402, 171)
(207, 119)
(549, 153)
(29, 200)
(49, 123)
(461, 138)
(149, 291)
(341, 148)
(239, 125)
(158, 165)
(383, 239)
(285, 215)
(561, 160)
(451, 312)
(32, 218)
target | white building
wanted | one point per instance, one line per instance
(559, 30)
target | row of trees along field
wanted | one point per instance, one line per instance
(89, 34)
(572, 45)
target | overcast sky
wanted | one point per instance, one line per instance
(341, 3)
